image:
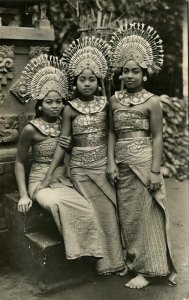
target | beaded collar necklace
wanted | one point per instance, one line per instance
(89, 107)
(48, 129)
(126, 99)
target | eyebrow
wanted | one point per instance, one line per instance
(91, 76)
(137, 68)
(47, 99)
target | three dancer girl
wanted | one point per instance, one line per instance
(134, 151)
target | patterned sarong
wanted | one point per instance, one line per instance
(143, 214)
(91, 181)
(73, 214)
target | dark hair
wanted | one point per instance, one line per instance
(38, 113)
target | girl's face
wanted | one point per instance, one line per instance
(87, 83)
(132, 76)
(52, 105)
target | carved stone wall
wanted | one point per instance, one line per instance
(17, 46)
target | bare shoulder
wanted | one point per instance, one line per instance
(68, 112)
(28, 133)
(28, 129)
(154, 102)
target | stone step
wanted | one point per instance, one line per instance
(36, 249)
(41, 257)
(33, 220)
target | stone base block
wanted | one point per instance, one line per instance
(36, 249)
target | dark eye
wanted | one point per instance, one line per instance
(136, 71)
(59, 101)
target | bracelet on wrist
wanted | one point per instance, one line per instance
(157, 173)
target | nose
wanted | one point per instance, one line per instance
(87, 83)
(129, 75)
(54, 105)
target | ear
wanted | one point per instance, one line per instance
(145, 78)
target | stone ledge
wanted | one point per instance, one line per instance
(25, 33)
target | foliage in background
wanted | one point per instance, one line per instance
(175, 135)
(164, 15)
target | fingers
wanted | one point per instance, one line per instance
(30, 205)
(24, 207)
(113, 176)
(154, 186)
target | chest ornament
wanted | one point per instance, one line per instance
(127, 99)
(90, 107)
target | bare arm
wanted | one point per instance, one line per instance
(156, 128)
(25, 141)
(112, 169)
(59, 152)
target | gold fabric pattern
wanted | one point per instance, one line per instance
(48, 129)
(43, 152)
(131, 146)
(129, 120)
(80, 157)
(91, 107)
(89, 130)
(126, 99)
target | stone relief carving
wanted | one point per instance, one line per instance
(19, 88)
(8, 129)
(6, 67)
(38, 50)
(10, 126)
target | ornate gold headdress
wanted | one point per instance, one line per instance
(137, 42)
(40, 76)
(88, 52)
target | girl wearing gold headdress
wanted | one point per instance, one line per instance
(135, 153)
(44, 79)
(85, 118)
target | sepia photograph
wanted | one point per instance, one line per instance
(94, 179)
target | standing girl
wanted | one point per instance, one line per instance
(85, 118)
(135, 152)
(45, 80)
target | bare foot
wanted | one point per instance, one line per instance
(105, 274)
(124, 272)
(138, 282)
(171, 279)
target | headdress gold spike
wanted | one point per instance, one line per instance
(88, 52)
(137, 42)
(40, 76)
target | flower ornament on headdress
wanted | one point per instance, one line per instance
(88, 52)
(137, 42)
(42, 75)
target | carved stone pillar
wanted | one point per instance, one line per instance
(18, 44)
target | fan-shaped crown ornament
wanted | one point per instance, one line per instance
(139, 42)
(42, 75)
(88, 52)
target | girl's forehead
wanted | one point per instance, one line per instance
(87, 72)
(131, 64)
(52, 95)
